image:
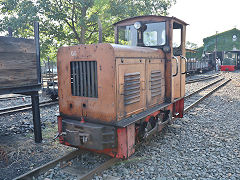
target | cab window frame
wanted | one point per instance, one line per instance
(151, 22)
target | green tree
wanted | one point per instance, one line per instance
(69, 22)
(191, 45)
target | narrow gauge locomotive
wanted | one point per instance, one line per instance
(230, 61)
(111, 96)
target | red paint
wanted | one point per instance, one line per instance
(67, 144)
(179, 108)
(126, 143)
(82, 120)
(122, 143)
(110, 152)
(126, 136)
(153, 114)
(59, 119)
(228, 67)
(130, 140)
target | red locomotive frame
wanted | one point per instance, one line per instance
(228, 67)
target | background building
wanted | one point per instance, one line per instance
(225, 45)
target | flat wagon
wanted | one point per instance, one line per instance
(20, 71)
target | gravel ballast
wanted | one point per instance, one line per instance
(205, 144)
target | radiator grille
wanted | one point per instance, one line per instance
(84, 78)
(156, 83)
(131, 88)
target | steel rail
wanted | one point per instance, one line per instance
(13, 97)
(25, 107)
(201, 79)
(205, 87)
(206, 95)
(67, 157)
(44, 168)
(99, 169)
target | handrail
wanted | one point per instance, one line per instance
(182, 57)
(177, 65)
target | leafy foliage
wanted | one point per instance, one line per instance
(191, 45)
(224, 41)
(69, 22)
(221, 42)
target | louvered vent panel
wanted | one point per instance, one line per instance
(156, 83)
(84, 78)
(131, 88)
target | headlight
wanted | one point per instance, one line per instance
(137, 25)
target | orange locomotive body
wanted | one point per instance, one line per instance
(113, 95)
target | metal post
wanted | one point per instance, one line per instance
(215, 58)
(37, 44)
(49, 73)
(36, 117)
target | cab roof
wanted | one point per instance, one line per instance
(148, 18)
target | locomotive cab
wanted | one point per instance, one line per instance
(113, 95)
(164, 33)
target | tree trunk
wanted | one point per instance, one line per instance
(83, 27)
(82, 38)
(99, 31)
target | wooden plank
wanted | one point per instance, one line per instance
(17, 61)
(17, 64)
(17, 78)
(16, 84)
(17, 74)
(11, 44)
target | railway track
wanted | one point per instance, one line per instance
(201, 79)
(25, 107)
(198, 96)
(65, 165)
(10, 97)
(65, 161)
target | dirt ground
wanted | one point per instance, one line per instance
(19, 153)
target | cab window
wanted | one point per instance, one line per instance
(153, 34)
